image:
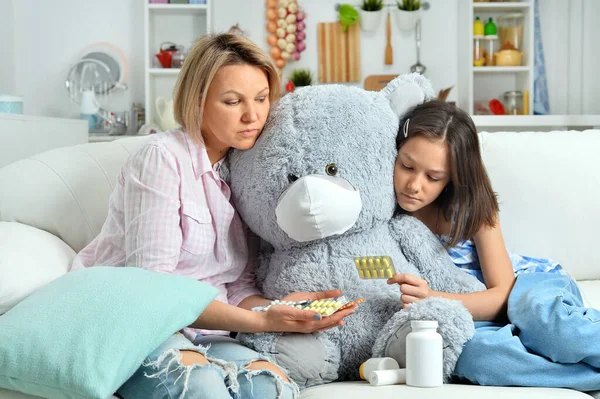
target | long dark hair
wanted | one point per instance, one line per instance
(468, 200)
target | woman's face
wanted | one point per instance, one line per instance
(236, 108)
(421, 172)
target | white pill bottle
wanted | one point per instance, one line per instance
(424, 355)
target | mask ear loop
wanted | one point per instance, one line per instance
(405, 128)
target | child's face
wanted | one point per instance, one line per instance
(421, 172)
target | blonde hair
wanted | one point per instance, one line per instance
(209, 54)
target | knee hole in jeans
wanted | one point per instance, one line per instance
(265, 365)
(189, 358)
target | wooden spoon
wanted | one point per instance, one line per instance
(389, 57)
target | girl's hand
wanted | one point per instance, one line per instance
(284, 318)
(412, 288)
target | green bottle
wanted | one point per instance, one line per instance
(490, 27)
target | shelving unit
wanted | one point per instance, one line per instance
(177, 23)
(488, 82)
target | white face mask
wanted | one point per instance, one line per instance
(318, 206)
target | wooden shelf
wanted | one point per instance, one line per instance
(500, 6)
(508, 69)
(200, 8)
(535, 120)
(164, 71)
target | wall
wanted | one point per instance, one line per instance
(7, 50)
(438, 42)
(50, 35)
(47, 37)
(571, 37)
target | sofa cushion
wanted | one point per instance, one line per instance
(84, 334)
(548, 189)
(29, 259)
(65, 191)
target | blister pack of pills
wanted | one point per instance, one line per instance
(374, 267)
(325, 307)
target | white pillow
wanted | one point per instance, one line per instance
(29, 259)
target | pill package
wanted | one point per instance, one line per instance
(325, 307)
(374, 267)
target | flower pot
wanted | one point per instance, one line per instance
(370, 20)
(407, 20)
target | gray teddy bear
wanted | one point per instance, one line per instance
(317, 188)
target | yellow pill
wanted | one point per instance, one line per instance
(362, 274)
(389, 273)
(374, 273)
(368, 274)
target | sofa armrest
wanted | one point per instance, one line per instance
(29, 259)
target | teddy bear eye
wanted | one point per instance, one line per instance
(331, 169)
(292, 178)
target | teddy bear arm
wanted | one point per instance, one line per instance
(424, 250)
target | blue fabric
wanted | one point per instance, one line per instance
(541, 103)
(551, 341)
(87, 332)
(464, 255)
(163, 376)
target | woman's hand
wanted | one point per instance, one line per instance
(285, 318)
(412, 288)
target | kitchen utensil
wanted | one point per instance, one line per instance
(377, 82)
(389, 57)
(418, 67)
(508, 58)
(10, 104)
(165, 55)
(166, 115)
(339, 53)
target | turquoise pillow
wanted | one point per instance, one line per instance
(84, 334)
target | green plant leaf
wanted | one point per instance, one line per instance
(348, 16)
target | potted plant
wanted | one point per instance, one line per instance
(370, 14)
(298, 78)
(408, 13)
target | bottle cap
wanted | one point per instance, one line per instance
(423, 324)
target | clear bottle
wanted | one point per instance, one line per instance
(424, 355)
(513, 102)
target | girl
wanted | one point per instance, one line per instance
(551, 339)
(170, 212)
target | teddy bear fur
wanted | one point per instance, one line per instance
(354, 129)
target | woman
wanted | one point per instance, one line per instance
(171, 212)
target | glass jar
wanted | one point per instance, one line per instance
(513, 102)
(478, 51)
(491, 46)
(510, 30)
(178, 57)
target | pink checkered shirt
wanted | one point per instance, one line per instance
(170, 212)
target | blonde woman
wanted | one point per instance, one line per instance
(171, 212)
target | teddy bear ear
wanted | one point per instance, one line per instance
(407, 91)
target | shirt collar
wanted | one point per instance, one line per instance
(199, 156)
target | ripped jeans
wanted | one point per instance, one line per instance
(225, 376)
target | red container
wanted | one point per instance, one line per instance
(167, 49)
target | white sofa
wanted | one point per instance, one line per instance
(548, 186)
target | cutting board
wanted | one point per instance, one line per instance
(339, 53)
